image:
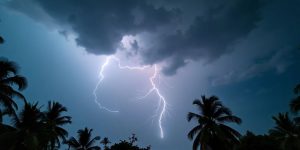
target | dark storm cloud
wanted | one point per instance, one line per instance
(100, 26)
(208, 37)
(278, 63)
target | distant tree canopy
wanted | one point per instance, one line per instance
(128, 145)
(251, 141)
(123, 144)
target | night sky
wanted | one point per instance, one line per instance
(246, 52)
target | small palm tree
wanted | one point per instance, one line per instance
(211, 132)
(105, 142)
(286, 131)
(84, 142)
(54, 121)
(8, 78)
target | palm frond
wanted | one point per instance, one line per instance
(91, 142)
(194, 131)
(233, 119)
(20, 81)
(295, 104)
(72, 142)
(192, 115)
(297, 89)
(222, 110)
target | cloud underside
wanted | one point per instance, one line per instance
(165, 35)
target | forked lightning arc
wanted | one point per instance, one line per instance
(154, 88)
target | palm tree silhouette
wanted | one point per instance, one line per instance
(105, 142)
(27, 131)
(211, 132)
(8, 79)
(54, 121)
(295, 103)
(286, 131)
(84, 142)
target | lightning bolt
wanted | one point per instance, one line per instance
(101, 77)
(162, 99)
(154, 89)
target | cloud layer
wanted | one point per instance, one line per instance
(168, 32)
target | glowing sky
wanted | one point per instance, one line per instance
(244, 51)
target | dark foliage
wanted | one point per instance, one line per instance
(125, 145)
(211, 133)
(10, 86)
(84, 140)
(258, 142)
(1, 40)
(295, 103)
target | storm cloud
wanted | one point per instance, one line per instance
(165, 34)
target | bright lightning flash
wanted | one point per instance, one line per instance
(154, 89)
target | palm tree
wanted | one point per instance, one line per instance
(295, 103)
(286, 131)
(105, 142)
(27, 131)
(54, 121)
(9, 79)
(84, 141)
(211, 132)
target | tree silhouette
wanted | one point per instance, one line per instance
(27, 131)
(8, 79)
(251, 141)
(295, 103)
(211, 132)
(1, 40)
(127, 145)
(84, 142)
(54, 121)
(105, 143)
(133, 139)
(286, 131)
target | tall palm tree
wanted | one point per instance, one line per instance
(295, 103)
(84, 142)
(8, 79)
(105, 142)
(54, 121)
(211, 132)
(286, 131)
(27, 130)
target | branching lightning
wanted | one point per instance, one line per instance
(162, 99)
(154, 89)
